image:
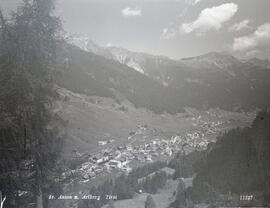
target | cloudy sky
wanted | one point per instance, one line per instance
(174, 28)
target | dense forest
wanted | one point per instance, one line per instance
(125, 186)
(29, 132)
(236, 165)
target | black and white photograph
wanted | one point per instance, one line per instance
(134, 103)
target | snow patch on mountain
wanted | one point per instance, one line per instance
(134, 65)
(123, 56)
(118, 54)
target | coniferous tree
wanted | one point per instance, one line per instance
(237, 163)
(149, 203)
(30, 141)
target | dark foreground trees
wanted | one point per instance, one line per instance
(29, 137)
(148, 178)
(237, 165)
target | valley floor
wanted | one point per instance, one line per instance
(106, 139)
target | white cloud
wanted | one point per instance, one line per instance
(211, 18)
(240, 26)
(168, 33)
(128, 12)
(259, 40)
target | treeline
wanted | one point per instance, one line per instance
(238, 164)
(147, 169)
(29, 136)
(125, 186)
(183, 164)
(152, 183)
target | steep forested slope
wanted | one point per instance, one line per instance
(238, 164)
(210, 80)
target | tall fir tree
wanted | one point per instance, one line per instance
(149, 203)
(30, 141)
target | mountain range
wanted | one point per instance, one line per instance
(161, 84)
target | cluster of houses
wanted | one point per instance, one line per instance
(120, 157)
(105, 142)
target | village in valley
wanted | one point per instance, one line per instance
(146, 145)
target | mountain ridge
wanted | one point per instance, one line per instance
(120, 54)
(211, 80)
